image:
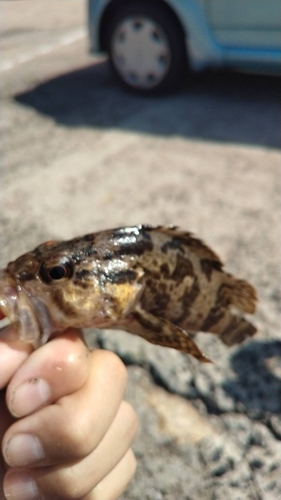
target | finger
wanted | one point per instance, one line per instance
(115, 483)
(77, 479)
(13, 352)
(58, 368)
(5, 422)
(5, 417)
(73, 427)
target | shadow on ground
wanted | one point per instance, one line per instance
(221, 106)
(258, 383)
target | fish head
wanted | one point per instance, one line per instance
(42, 292)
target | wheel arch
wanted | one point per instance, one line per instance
(115, 5)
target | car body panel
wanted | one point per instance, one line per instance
(239, 33)
(254, 24)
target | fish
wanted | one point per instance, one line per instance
(158, 282)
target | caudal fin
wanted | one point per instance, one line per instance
(223, 320)
(242, 295)
(236, 329)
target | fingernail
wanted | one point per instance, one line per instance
(23, 449)
(29, 396)
(20, 486)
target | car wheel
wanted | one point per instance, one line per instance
(146, 48)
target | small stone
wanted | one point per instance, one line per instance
(275, 423)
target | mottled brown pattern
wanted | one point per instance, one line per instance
(84, 275)
(207, 268)
(214, 316)
(153, 273)
(183, 268)
(161, 300)
(151, 326)
(157, 282)
(155, 297)
(187, 299)
(62, 304)
(164, 270)
(162, 332)
(26, 276)
(236, 331)
(82, 284)
(172, 244)
(217, 312)
(122, 276)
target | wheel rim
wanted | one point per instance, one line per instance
(140, 52)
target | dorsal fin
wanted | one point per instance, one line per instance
(188, 239)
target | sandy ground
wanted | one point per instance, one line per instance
(79, 154)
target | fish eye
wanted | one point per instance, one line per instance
(57, 272)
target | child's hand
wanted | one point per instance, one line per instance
(72, 435)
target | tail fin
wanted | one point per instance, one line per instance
(231, 327)
(243, 295)
(236, 329)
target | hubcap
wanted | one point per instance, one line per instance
(141, 52)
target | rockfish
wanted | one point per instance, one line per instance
(157, 282)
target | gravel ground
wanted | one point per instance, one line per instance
(80, 155)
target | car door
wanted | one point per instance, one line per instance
(246, 23)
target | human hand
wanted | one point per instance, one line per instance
(67, 434)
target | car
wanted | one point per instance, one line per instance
(152, 43)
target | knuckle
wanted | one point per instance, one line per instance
(68, 485)
(75, 436)
(112, 489)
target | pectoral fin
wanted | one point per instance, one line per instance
(162, 332)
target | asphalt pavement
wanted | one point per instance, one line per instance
(81, 154)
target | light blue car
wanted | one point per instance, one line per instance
(151, 43)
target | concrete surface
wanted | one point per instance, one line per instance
(80, 154)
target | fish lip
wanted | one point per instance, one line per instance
(8, 296)
(16, 305)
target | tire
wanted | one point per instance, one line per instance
(146, 48)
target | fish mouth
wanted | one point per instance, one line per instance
(19, 307)
(8, 297)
